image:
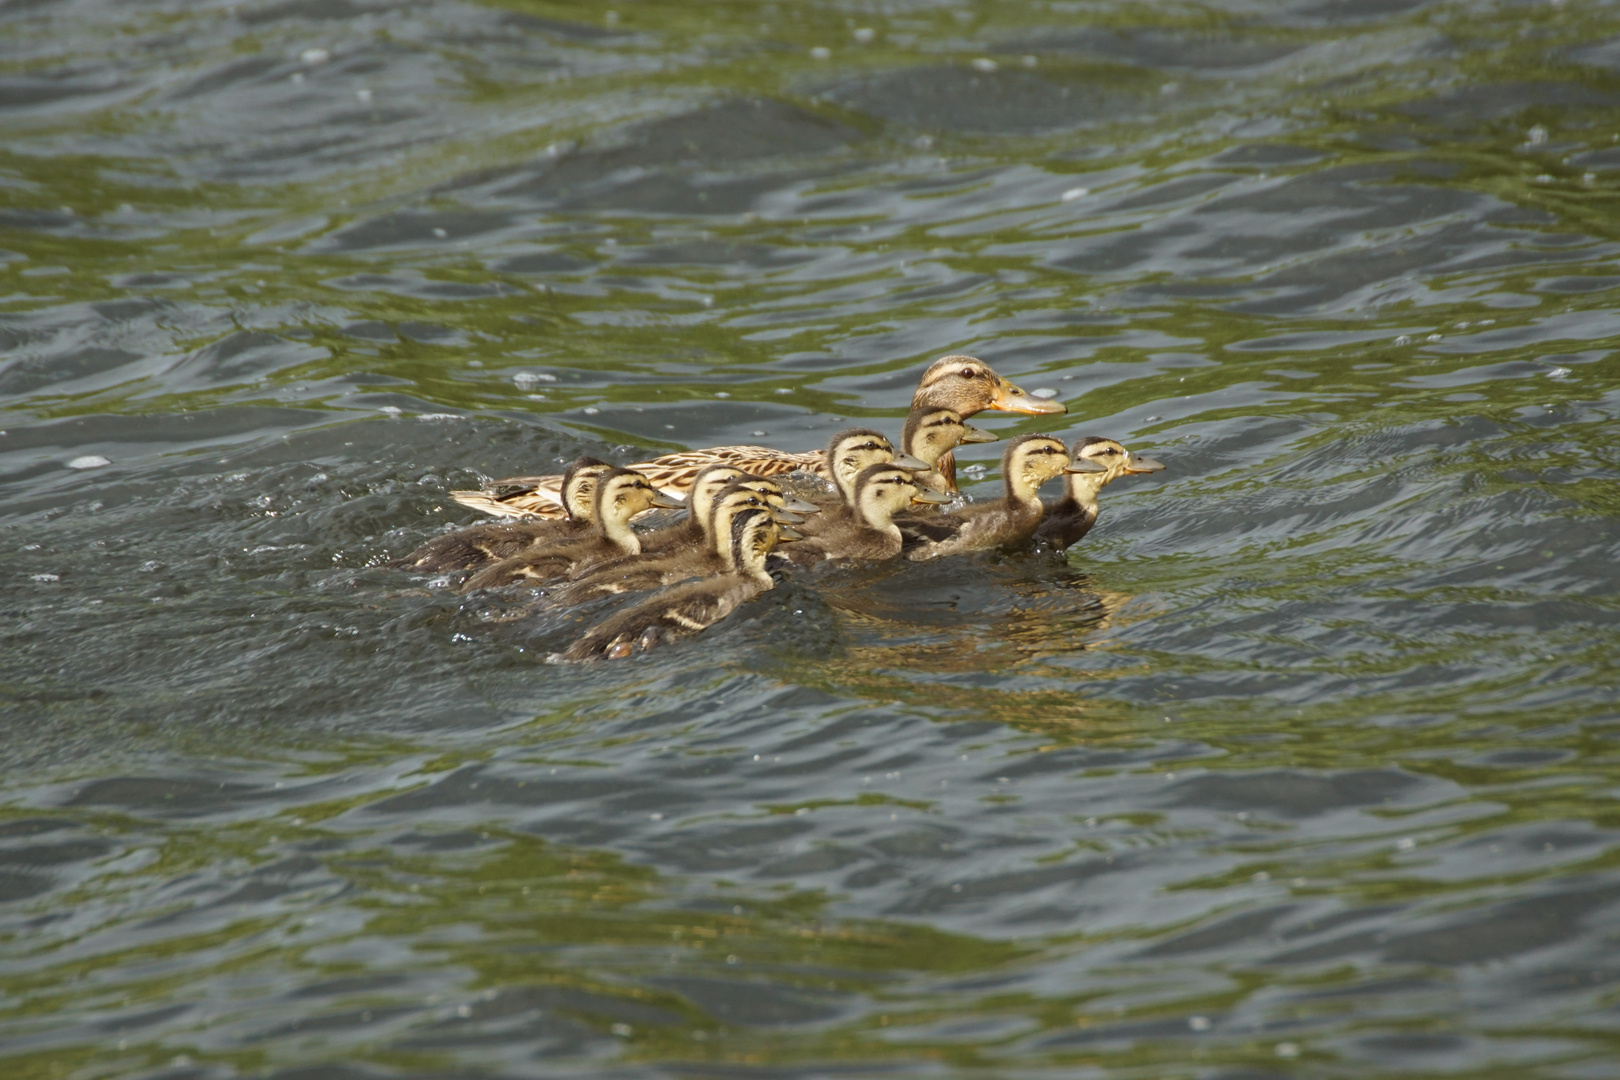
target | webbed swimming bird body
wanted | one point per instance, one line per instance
(848, 453)
(713, 557)
(621, 494)
(868, 532)
(1027, 463)
(479, 545)
(930, 435)
(964, 384)
(1069, 518)
(692, 607)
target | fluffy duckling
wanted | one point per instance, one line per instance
(693, 606)
(694, 531)
(932, 433)
(466, 549)
(1072, 516)
(869, 532)
(847, 454)
(963, 384)
(715, 557)
(696, 534)
(1027, 463)
(789, 508)
(621, 494)
(850, 452)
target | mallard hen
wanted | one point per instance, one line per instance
(964, 384)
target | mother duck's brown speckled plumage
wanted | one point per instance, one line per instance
(964, 384)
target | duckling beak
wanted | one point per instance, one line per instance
(786, 517)
(927, 495)
(1085, 465)
(1011, 399)
(977, 434)
(796, 505)
(1135, 463)
(669, 502)
(906, 461)
(785, 533)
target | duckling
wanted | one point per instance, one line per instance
(637, 575)
(847, 454)
(691, 607)
(1072, 516)
(621, 494)
(478, 545)
(963, 384)
(869, 532)
(694, 531)
(1027, 463)
(788, 508)
(932, 433)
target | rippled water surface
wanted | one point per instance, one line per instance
(1304, 762)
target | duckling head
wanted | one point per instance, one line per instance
(737, 498)
(706, 487)
(966, 385)
(788, 508)
(1031, 461)
(930, 434)
(579, 488)
(881, 491)
(1098, 463)
(754, 535)
(860, 448)
(1115, 460)
(621, 494)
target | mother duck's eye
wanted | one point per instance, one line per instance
(967, 373)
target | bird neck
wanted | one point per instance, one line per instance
(616, 527)
(748, 558)
(720, 543)
(1020, 490)
(755, 568)
(1081, 493)
(878, 518)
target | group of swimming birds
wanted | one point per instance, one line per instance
(754, 512)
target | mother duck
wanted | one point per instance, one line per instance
(964, 384)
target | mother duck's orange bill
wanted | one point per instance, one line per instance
(1009, 398)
